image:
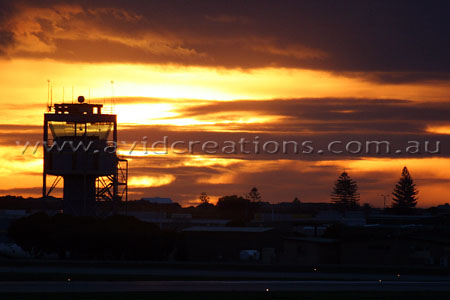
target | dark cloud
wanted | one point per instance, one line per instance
(6, 40)
(342, 115)
(318, 120)
(18, 127)
(21, 191)
(389, 41)
(398, 77)
(6, 36)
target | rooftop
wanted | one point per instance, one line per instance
(227, 229)
(319, 240)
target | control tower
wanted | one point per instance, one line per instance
(80, 147)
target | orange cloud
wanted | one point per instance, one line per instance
(150, 181)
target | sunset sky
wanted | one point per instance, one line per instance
(318, 71)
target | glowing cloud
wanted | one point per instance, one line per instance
(151, 181)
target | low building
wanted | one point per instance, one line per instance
(397, 251)
(309, 251)
(220, 243)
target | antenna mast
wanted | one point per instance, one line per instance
(48, 95)
(113, 102)
(384, 199)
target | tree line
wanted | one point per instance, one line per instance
(404, 197)
(344, 195)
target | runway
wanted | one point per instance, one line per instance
(217, 286)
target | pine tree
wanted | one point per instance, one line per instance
(405, 192)
(254, 195)
(345, 192)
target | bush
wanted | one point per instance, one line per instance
(115, 237)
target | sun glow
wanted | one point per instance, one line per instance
(151, 181)
(202, 83)
(144, 113)
(439, 129)
(167, 114)
(19, 170)
(219, 179)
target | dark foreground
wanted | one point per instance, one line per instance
(220, 286)
(235, 295)
(142, 280)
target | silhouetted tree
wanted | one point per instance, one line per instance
(254, 195)
(18, 202)
(205, 207)
(114, 237)
(296, 204)
(204, 198)
(235, 208)
(367, 209)
(345, 192)
(405, 192)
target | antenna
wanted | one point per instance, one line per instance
(48, 95)
(51, 95)
(384, 199)
(72, 94)
(113, 104)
